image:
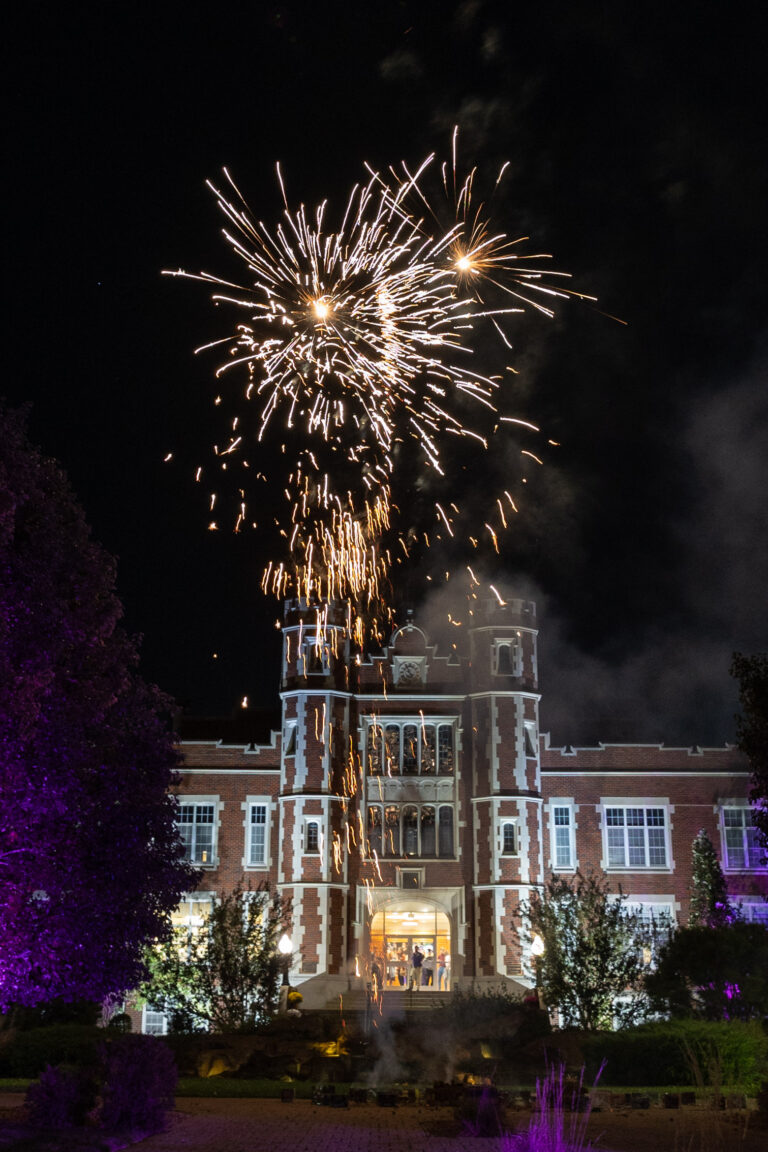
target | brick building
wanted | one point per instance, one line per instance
(411, 798)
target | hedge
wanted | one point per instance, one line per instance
(695, 1052)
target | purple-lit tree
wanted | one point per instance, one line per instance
(89, 858)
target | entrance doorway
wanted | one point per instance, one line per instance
(396, 932)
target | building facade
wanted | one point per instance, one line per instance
(411, 799)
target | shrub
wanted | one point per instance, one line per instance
(678, 1052)
(139, 1082)
(30, 1052)
(120, 1023)
(62, 1098)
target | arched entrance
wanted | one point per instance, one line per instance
(396, 931)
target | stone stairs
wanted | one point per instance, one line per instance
(395, 1002)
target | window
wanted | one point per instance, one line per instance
(531, 741)
(316, 657)
(410, 748)
(755, 913)
(196, 828)
(507, 657)
(742, 847)
(653, 913)
(258, 825)
(312, 837)
(508, 838)
(414, 830)
(636, 837)
(289, 739)
(193, 911)
(562, 836)
(154, 1023)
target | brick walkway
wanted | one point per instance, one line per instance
(270, 1126)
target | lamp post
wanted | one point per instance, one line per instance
(285, 948)
(538, 949)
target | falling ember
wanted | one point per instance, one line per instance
(355, 343)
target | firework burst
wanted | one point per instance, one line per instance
(356, 343)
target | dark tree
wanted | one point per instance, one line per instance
(710, 905)
(595, 952)
(716, 973)
(752, 730)
(222, 975)
(90, 865)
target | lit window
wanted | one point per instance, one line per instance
(409, 748)
(196, 829)
(154, 1023)
(562, 836)
(257, 825)
(742, 845)
(636, 837)
(415, 830)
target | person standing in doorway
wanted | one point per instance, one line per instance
(442, 971)
(416, 962)
(428, 968)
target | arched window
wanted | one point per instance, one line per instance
(507, 657)
(374, 830)
(427, 749)
(410, 831)
(410, 749)
(375, 737)
(445, 752)
(446, 830)
(312, 836)
(427, 830)
(392, 830)
(392, 749)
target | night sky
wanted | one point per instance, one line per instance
(636, 140)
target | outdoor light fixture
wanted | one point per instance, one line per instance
(285, 947)
(538, 949)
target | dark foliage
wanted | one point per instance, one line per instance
(752, 729)
(28, 1053)
(121, 1022)
(139, 1083)
(680, 1052)
(62, 1098)
(86, 754)
(23, 1017)
(718, 973)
